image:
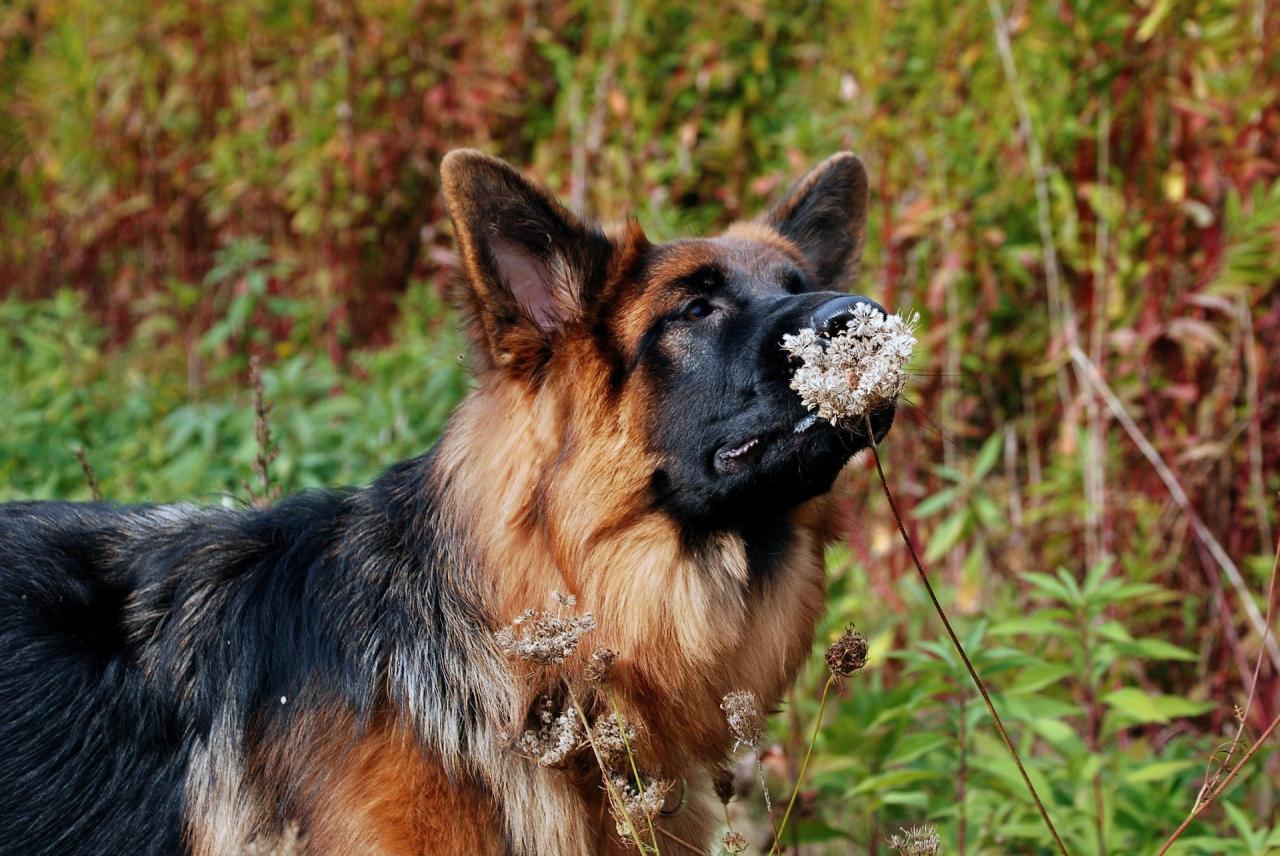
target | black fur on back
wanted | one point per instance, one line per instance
(126, 633)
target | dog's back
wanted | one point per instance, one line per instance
(85, 741)
(126, 633)
(178, 679)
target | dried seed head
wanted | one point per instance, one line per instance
(734, 842)
(742, 711)
(634, 809)
(611, 740)
(600, 666)
(564, 599)
(916, 841)
(543, 638)
(723, 784)
(848, 654)
(860, 369)
(555, 736)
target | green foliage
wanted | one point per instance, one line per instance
(150, 435)
(911, 742)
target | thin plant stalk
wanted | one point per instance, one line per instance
(692, 848)
(1226, 782)
(764, 789)
(804, 766)
(1211, 781)
(955, 641)
(604, 773)
(90, 478)
(1091, 374)
(631, 758)
(1257, 665)
(962, 820)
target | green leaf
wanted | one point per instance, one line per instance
(931, 505)
(1055, 731)
(915, 744)
(1051, 586)
(813, 831)
(1034, 625)
(1035, 678)
(1153, 20)
(1157, 649)
(988, 455)
(1142, 706)
(1158, 771)
(892, 779)
(946, 535)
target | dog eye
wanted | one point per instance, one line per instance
(697, 309)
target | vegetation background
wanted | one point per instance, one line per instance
(185, 184)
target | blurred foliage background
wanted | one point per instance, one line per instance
(184, 185)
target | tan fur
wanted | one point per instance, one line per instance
(382, 795)
(560, 478)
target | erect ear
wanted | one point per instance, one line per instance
(529, 262)
(825, 215)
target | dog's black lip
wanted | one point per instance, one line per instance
(740, 452)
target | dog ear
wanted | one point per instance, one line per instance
(528, 261)
(825, 214)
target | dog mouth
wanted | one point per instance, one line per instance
(738, 455)
(744, 452)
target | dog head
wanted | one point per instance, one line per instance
(680, 340)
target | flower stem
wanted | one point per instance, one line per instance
(804, 766)
(955, 641)
(635, 771)
(1208, 801)
(614, 796)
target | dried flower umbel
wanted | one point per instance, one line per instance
(916, 841)
(847, 655)
(555, 737)
(860, 369)
(545, 638)
(612, 734)
(634, 809)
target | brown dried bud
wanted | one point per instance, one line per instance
(600, 666)
(734, 842)
(742, 711)
(848, 654)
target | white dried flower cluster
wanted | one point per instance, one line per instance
(543, 638)
(916, 841)
(633, 809)
(860, 369)
(555, 738)
(612, 740)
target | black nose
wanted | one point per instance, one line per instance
(830, 318)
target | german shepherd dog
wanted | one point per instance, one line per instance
(183, 679)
